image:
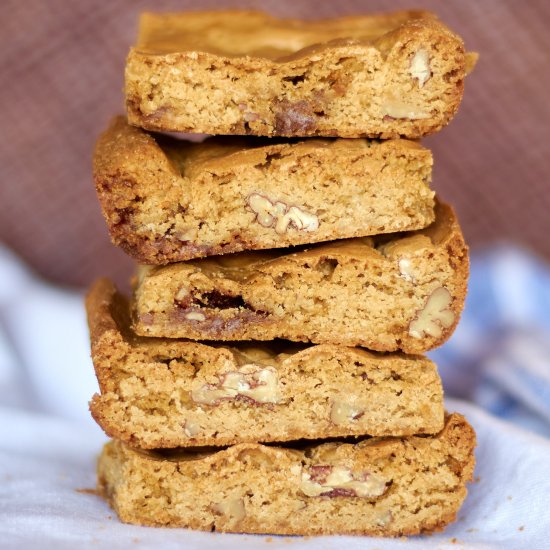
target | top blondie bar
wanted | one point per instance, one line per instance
(240, 72)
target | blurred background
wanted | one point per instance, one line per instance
(61, 70)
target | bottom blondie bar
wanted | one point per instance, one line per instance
(377, 486)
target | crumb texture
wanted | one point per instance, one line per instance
(382, 487)
(168, 200)
(161, 393)
(399, 74)
(398, 292)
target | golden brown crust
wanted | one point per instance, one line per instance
(168, 200)
(414, 485)
(295, 78)
(401, 292)
(165, 393)
(249, 33)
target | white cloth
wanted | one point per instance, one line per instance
(48, 447)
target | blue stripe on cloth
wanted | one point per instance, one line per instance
(499, 355)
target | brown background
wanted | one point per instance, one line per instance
(61, 74)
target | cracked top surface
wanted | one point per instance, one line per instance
(311, 451)
(255, 34)
(225, 152)
(189, 159)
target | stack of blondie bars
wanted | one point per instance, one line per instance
(267, 374)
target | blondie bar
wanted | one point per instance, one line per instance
(232, 72)
(168, 200)
(383, 487)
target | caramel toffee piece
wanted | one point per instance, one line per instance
(402, 292)
(159, 393)
(168, 200)
(384, 487)
(231, 72)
